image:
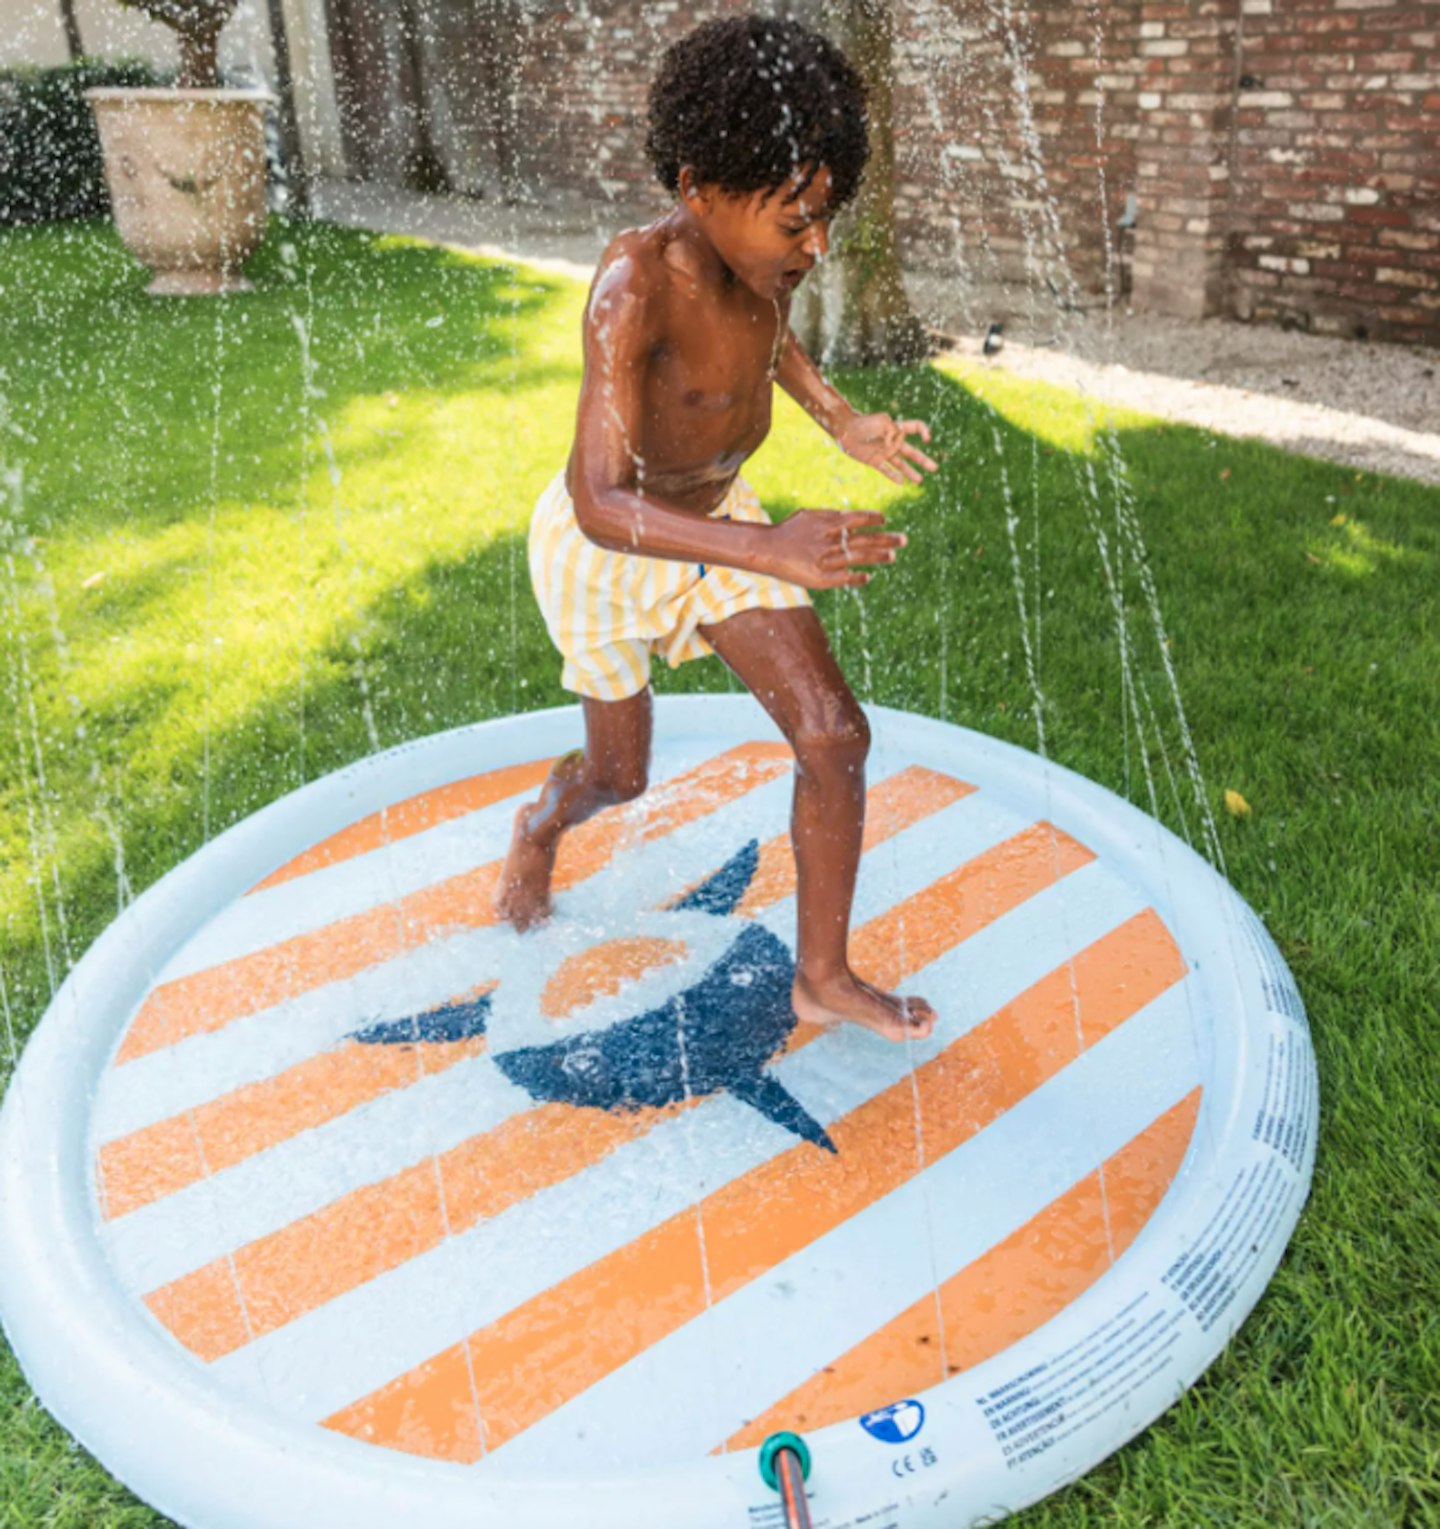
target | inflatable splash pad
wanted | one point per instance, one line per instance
(329, 1200)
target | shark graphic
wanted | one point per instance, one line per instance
(718, 1035)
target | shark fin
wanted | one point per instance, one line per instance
(721, 892)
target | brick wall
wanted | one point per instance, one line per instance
(1284, 155)
(1000, 158)
(1336, 216)
(1015, 139)
(585, 78)
(1186, 53)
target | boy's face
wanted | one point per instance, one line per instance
(768, 241)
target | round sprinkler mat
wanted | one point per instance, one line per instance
(328, 1199)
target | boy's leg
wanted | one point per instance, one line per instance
(612, 767)
(785, 660)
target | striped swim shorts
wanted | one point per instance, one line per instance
(608, 611)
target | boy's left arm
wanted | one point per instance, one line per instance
(874, 438)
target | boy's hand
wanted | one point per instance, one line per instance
(820, 548)
(880, 440)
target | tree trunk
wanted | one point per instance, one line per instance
(200, 59)
(298, 179)
(74, 44)
(424, 169)
(858, 313)
(504, 78)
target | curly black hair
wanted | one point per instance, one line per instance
(747, 100)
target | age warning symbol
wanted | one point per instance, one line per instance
(382, 1166)
(895, 1424)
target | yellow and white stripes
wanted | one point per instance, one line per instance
(607, 611)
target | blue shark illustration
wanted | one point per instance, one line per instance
(718, 1035)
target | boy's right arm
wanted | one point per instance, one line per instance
(816, 548)
(610, 507)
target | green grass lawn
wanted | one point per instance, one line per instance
(246, 541)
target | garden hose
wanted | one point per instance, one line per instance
(784, 1465)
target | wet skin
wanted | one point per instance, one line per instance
(686, 332)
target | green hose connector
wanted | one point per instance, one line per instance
(772, 1447)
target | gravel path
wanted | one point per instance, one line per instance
(1371, 406)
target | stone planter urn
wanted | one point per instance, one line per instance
(186, 173)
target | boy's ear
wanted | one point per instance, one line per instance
(699, 199)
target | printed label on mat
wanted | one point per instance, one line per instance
(1034, 1411)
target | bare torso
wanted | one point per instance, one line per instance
(711, 366)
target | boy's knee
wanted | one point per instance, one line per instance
(845, 737)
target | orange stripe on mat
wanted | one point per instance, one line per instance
(412, 816)
(312, 1260)
(890, 806)
(159, 1159)
(209, 1000)
(912, 934)
(383, 1225)
(563, 1341)
(1004, 1295)
(921, 929)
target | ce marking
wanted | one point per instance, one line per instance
(904, 1465)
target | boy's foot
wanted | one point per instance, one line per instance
(523, 895)
(847, 998)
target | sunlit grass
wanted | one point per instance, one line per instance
(196, 621)
(1350, 546)
(1044, 411)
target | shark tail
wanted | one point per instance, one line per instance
(775, 1102)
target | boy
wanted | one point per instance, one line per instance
(758, 126)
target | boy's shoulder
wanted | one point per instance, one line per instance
(627, 264)
(647, 266)
(625, 283)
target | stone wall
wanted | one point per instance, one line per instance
(1336, 167)
(1281, 158)
(1015, 141)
